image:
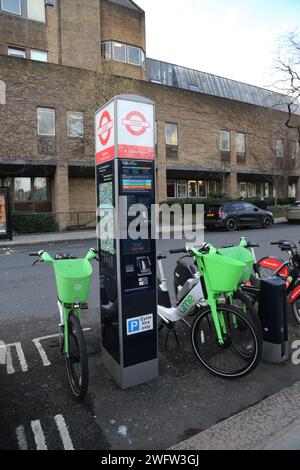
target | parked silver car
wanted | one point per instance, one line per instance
(293, 213)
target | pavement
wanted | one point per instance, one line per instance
(273, 424)
(186, 408)
(74, 236)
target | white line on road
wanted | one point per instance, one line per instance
(41, 350)
(64, 433)
(22, 442)
(39, 436)
(8, 357)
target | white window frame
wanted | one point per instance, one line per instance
(238, 134)
(206, 184)
(139, 51)
(279, 142)
(113, 52)
(39, 52)
(16, 48)
(166, 134)
(11, 12)
(35, 19)
(181, 183)
(38, 123)
(229, 141)
(190, 183)
(104, 43)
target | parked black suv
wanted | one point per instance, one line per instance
(232, 215)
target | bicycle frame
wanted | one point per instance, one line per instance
(66, 309)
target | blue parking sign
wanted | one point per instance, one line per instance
(133, 326)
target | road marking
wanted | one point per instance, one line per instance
(8, 357)
(22, 442)
(41, 350)
(64, 433)
(39, 436)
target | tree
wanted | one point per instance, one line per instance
(288, 67)
(96, 88)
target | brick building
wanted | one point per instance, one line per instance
(213, 134)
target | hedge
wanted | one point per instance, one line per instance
(222, 198)
(34, 223)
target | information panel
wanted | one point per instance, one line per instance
(5, 216)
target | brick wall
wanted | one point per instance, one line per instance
(200, 119)
(122, 24)
(82, 194)
(21, 32)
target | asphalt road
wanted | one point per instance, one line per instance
(36, 409)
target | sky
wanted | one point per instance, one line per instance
(237, 39)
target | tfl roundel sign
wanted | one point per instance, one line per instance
(105, 149)
(105, 127)
(136, 123)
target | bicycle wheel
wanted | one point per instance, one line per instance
(242, 350)
(247, 305)
(77, 363)
(296, 310)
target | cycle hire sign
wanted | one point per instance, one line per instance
(139, 325)
(135, 130)
(105, 134)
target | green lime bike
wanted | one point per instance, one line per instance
(73, 278)
(226, 339)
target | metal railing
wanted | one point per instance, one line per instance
(76, 220)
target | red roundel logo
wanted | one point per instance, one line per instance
(136, 123)
(105, 128)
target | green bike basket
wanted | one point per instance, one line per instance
(222, 273)
(240, 253)
(73, 279)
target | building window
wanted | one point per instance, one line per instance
(40, 189)
(16, 52)
(134, 55)
(40, 56)
(36, 10)
(202, 189)
(46, 121)
(171, 188)
(225, 141)
(123, 53)
(292, 190)
(143, 59)
(22, 189)
(119, 52)
(171, 134)
(194, 87)
(106, 50)
(181, 189)
(293, 149)
(241, 143)
(11, 6)
(32, 194)
(192, 189)
(243, 189)
(279, 149)
(75, 124)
